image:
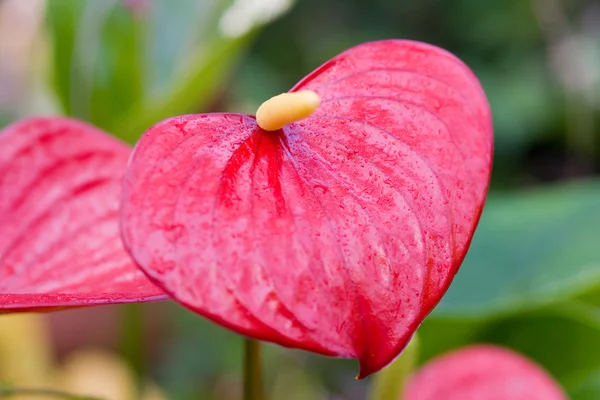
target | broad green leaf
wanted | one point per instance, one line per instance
(531, 248)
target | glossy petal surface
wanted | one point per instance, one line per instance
(482, 372)
(60, 246)
(337, 234)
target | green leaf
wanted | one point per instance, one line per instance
(587, 388)
(532, 248)
(61, 19)
(97, 58)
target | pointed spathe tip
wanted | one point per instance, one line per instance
(366, 369)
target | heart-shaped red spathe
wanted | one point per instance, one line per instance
(482, 372)
(60, 245)
(337, 234)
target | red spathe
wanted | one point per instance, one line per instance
(337, 234)
(60, 246)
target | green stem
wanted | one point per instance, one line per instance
(7, 391)
(253, 389)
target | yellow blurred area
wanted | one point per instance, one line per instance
(27, 361)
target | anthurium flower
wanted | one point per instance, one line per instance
(482, 372)
(337, 223)
(60, 246)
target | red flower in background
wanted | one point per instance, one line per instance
(60, 246)
(482, 372)
(337, 234)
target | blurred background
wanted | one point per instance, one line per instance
(531, 280)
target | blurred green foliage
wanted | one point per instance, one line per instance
(124, 71)
(531, 280)
(533, 247)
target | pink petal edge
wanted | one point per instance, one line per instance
(60, 244)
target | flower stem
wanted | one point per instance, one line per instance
(253, 389)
